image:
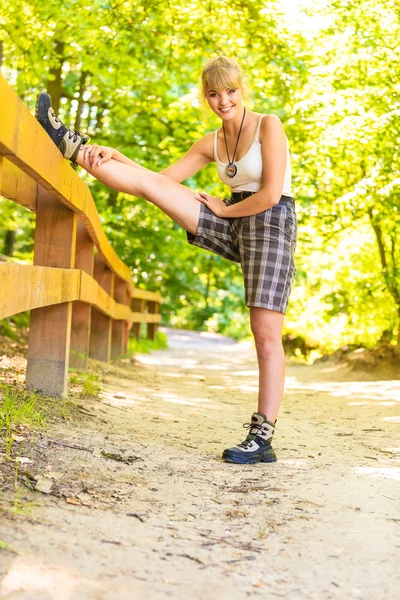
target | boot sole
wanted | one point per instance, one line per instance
(267, 457)
(43, 104)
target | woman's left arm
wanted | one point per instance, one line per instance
(273, 151)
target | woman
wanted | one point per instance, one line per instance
(256, 226)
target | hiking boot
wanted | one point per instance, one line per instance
(257, 446)
(68, 141)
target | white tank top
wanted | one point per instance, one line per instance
(249, 168)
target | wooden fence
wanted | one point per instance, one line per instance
(80, 294)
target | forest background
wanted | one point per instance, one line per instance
(128, 73)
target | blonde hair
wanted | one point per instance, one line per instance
(222, 73)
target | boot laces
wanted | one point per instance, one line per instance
(258, 427)
(72, 133)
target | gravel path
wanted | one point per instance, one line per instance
(173, 521)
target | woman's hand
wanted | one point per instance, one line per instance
(97, 155)
(214, 204)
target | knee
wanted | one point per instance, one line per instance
(267, 344)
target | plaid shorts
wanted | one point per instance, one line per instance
(264, 244)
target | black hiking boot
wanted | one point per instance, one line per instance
(68, 141)
(257, 446)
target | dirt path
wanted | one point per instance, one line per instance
(174, 521)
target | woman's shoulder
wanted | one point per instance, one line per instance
(206, 145)
(269, 118)
(271, 125)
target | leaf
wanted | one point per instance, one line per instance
(43, 484)
(74, 501)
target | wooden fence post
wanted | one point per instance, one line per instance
(137, 306)
(101, 325)
(50, 326)
(152, 327)
(119, 342)
(81, 311)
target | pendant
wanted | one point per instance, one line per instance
(231, 170)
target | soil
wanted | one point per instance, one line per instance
(135, 501)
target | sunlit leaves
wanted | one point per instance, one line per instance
(334, 83)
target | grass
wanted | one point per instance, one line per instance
(6, 546)
(22, 506)
(143, 345)
(18, 408)
(90, 383)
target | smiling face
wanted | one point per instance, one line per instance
(223, 87)
(226, 103)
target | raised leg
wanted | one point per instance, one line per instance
(266, 326)
(175, 199)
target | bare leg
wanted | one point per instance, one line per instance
(266, 326)
(176, 200)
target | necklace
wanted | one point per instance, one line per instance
(231, 168)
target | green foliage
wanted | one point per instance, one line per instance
(142, 345)
(344, 128)
(21, 222)
(128, 73)
(15, 327)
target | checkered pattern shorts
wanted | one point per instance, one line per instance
(264, 244)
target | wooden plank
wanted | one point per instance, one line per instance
(17, 185)
(43, 286)
(48, 349)
(152, 327)
(26, 287)
(101, 324)
(84, 258)
(120, 328)
(81, 312)
(146, 295)
(26, 144)
(55, 232)
(138, 305)
(50, 327)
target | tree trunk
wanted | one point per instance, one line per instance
(99, 119)
(9, 242)
(209, 273)
(54, 86)
(112, 197)
(398, 331)
(388, 274)
(81, 103)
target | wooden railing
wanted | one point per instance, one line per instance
(80, 294)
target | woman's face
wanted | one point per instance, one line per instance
(225, 103)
